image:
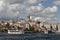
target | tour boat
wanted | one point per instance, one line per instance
(15, 32)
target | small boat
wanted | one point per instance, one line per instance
(45, 32)
(15, 32)
(49, 32)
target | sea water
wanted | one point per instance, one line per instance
(29, 36)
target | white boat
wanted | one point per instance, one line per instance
(45, 32)
(15, 32)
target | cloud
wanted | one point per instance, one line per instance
(21, 1)
(49, 11)
(34, 1)
(57, 2)
(5, 12)
(33, 10)
(1, 5)
(39, 19)
(13, 1)
(48, 18)
(31, 1)
(41, 11)
(53, 19)
(16, 7)
(13, 8)
(10, 11)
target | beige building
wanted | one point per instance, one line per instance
(47, 25)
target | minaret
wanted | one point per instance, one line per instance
(28, 18)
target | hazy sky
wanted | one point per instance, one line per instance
(45, 10)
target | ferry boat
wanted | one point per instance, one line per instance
(15, 32)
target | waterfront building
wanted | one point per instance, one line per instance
(27, 26)
(47, 25)
(54, 27)
(58, 31)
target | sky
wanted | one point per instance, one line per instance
(44, 10)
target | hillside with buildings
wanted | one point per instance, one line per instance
(28, 25)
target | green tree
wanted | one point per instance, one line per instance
(31, 28)
(26, 29)
(7, 25)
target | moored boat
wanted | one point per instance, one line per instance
(15, 32)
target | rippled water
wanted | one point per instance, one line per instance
(30, 36)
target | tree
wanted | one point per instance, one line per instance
(8, 25)
(4, 30)
(38, 22)
(26, 29)
(31, 28)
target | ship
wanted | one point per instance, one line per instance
(15, 32)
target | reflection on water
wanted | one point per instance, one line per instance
(30, 36)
